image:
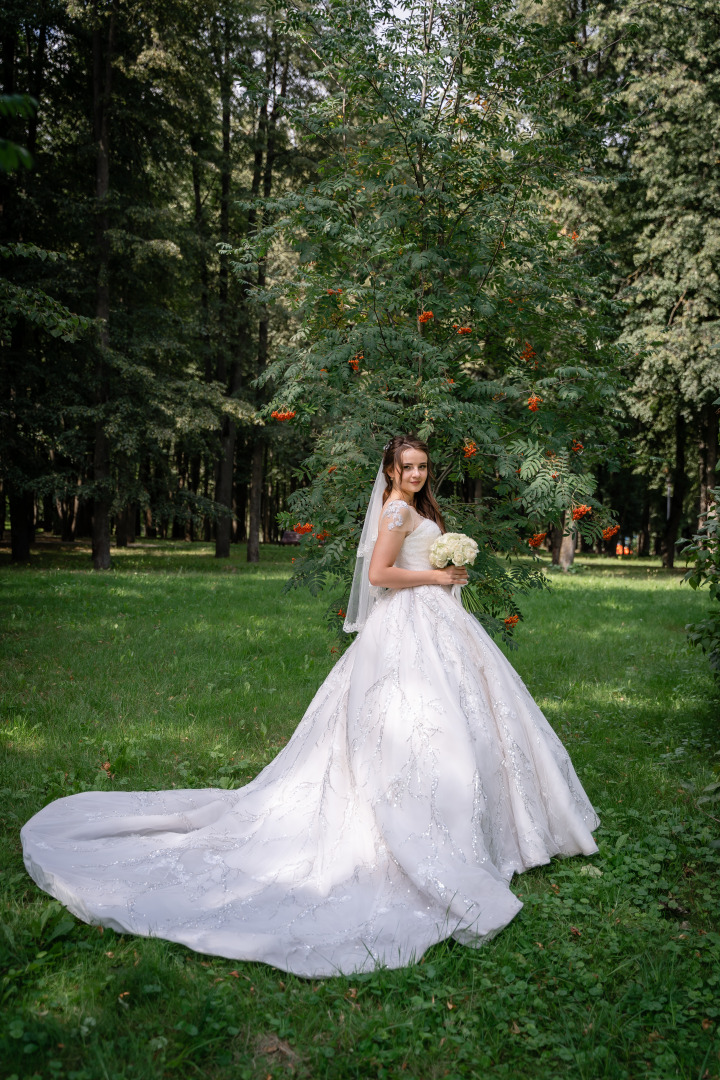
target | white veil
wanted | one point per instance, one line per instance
(363, 595)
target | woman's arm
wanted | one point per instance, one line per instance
(383, 572)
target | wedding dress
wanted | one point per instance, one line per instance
(421, 778)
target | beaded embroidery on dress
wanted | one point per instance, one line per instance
(421, 778)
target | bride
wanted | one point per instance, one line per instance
(421, 778)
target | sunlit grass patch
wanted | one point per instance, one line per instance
(174, 670)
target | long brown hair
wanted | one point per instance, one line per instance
(425, 503)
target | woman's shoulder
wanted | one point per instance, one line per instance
(397, 513)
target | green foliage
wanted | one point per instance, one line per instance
(13, 156)
(671, 89)
(657, 212)
(703, 551)
(436, 293)
(191, 98)
(32, 304)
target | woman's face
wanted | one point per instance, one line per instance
(411, 475)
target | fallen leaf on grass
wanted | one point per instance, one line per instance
(588, 870)
(270, 1044)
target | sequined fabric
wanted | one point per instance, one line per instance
(421, 778)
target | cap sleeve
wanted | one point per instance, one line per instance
(396, 515)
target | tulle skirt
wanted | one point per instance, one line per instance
(421, 778)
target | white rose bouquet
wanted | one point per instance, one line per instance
(455, 548)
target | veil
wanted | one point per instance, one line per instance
(363, 595)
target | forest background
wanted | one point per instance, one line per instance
(196, 202)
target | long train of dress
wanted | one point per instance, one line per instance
(421, 778)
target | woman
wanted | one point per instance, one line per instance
(421, 778)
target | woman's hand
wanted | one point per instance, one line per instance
(452, 575)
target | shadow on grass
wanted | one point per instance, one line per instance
(148, 555)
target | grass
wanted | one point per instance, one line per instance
(179, 670)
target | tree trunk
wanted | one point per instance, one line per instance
(225, 463)
(22, 529)
(194, 482)
(566, 555)
(256, 482)
(199, 215)
(207, 521)
(241, 492)
(3, 510)
(679, 482)
(83, 518)
(556, 539)
(257, 470)
(708, 458)
(36, 79)
(266, 504)
(66, 511)
(121, 528)
(224, 488)
(150, 530)
(644, 532)
(102, 89)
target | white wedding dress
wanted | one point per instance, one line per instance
(421, 778)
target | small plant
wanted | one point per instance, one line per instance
(703, 552)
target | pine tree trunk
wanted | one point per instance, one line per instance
(672, 525)
(121, 528)
(102, 89)
(708, 458)
(83, 519)
(22, 528)
(224, 483)
(207, 523)
(45, 514)
(66, 511)
(199, 215)
(226, 460)
(256, 482)
(644, 533)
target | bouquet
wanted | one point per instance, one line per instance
(455, 548)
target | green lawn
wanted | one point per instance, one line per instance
(180, 670)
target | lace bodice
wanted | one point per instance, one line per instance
(415, 552)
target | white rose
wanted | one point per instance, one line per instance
(456, 548)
